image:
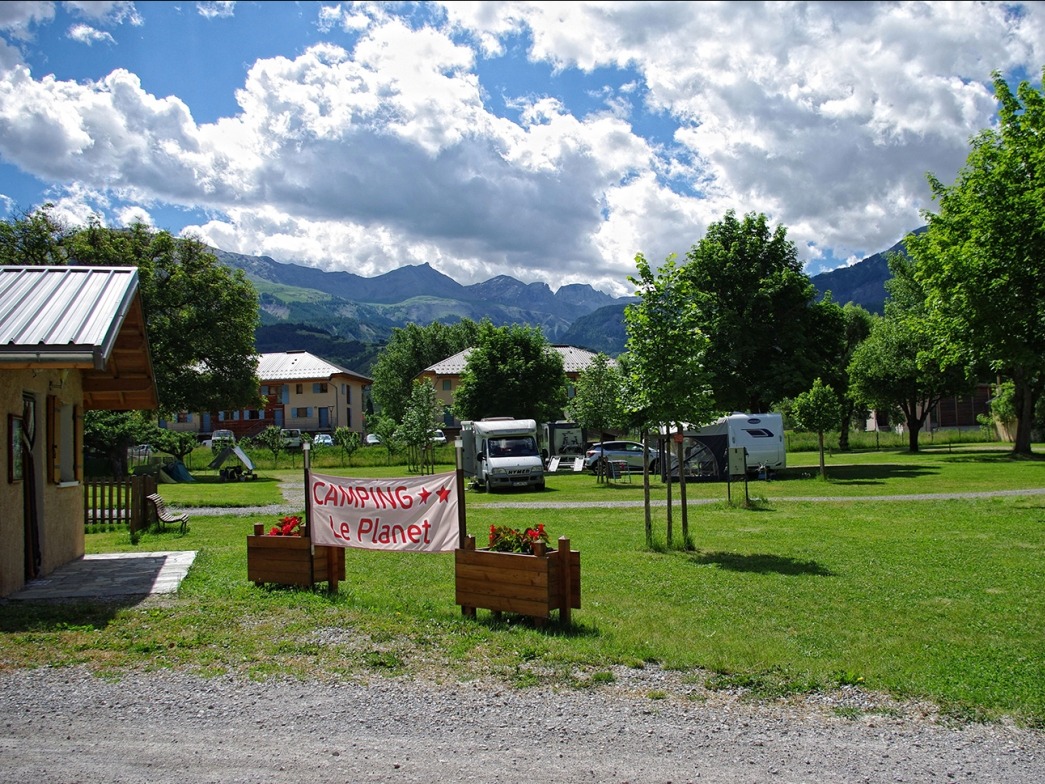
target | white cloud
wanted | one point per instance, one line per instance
(801, 110)
(86, 34)
(127, 216)
(18, 17)
(825, 117)
(216, 9)
(113, 12)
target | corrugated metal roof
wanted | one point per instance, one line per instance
(64, 311)
(574, 360)
(285, 365)
(451, 366)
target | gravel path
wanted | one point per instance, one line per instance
(63, 726)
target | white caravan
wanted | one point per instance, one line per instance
(762, 435)
(500, 452)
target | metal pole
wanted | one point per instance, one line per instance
(462, 527)
(306, 450)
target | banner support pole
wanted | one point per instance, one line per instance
(462, 526)
(306, 451)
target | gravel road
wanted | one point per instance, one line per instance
(64, 726)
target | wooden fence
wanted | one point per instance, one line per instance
(116, 503)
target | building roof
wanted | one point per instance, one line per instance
(292, 365)
(84, 318)
(574, 360)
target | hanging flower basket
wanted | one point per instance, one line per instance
(292, 560)
(532, 584)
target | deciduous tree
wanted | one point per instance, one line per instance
(982, 257)
(667, 375)
(769, 337)
(817, 410)
(597, 404)
(512, 371)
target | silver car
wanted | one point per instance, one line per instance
(629, 452)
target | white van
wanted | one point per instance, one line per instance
(220, 439)
(291, 438)
(501, 452)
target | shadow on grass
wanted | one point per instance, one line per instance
(872, 474)
(553, 626)
(761, 563)
(62, 615)
(989, 457)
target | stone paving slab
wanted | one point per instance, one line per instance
(111, 575)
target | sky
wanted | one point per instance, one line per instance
(549, 141)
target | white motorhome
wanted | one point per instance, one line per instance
(562, 439)
(762, 435)
(500, 452)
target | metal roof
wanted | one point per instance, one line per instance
(574, 360)
(290, 365)
(87, 318)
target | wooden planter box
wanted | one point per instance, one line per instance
(531, 585)
(292, 560)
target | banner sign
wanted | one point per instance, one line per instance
(401, 513)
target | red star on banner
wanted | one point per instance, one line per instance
(424, 495)
(444, 494)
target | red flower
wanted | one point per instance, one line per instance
(288, 526)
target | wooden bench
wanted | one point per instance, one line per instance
(164, 515)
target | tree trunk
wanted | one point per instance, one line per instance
(682, 492)
(820, 440)
(843, 426)
(1024, 400)
(914, 426)
(645, 488)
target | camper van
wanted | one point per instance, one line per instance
(562, 439)
(761, 435)
(501, 452)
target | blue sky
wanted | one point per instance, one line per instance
(547, 141)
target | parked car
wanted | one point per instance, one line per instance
(291, 438)
(220, 439)
(372, 439)
(323, 439)
(438, 437)
(140, 452)
(629, 452)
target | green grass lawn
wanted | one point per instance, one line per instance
(928, 599)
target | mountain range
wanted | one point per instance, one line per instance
(347, 319)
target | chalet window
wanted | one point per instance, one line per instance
(346, 390)
(447, 385)
(302, 413)
(320, 388)
(299, 389)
